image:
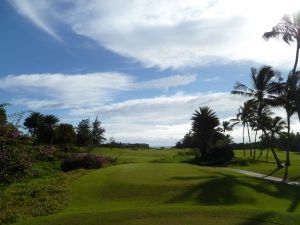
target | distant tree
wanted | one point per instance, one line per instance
(3, 116)
(46, 128)
(33, 122)
(84, 133)
(188, 141)
(97, 132)
(65, 136)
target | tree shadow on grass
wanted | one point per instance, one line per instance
(217, 190)
(221, 190)
(260, 219)
(272, 172)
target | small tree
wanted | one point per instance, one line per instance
(3, 116)
(84, 133)
(65, 136)
(97, 132)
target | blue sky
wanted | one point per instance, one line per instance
(142, 67)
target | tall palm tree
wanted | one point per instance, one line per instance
(286, 98)
(244, 115)
(289, 30)
(260, 94)
(204, 125)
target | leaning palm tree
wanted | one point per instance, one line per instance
(204, 125)
(286, 98)
(289, 30)
(260, 94)
(228, 125)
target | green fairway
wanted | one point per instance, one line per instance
(264, 166)
(175, 193)
(144, 155)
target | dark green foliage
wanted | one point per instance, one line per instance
(41, 127)
(84, 161)
(14, 161)
(97, 132)
(204, 125)
(65, 136)
(84, 133)
(32, 123)
(3, 116)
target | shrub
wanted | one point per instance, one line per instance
(220, 154)
(85, 161)
(14, 160)
(46, 152)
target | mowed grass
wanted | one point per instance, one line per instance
(175, 194)
(127, 155)
(267, 166)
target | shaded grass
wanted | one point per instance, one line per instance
(175, 193)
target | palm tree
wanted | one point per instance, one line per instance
(228, 125)
(260, 94)
(286, 98)
(204, 125)
(46, 128)
(289, 30)
(32, 123)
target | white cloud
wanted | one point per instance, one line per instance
(161, 120)
(69, 90)
(172, 34)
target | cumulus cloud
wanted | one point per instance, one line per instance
(171, 34)
(161, 120)
(69, 90)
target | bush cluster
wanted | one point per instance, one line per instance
(14, 160)
(84, 161)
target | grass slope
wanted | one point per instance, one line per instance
(177, 194)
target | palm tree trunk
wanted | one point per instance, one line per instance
(288, 124)
(294, 71)
(297, 56)
(254, 155)
(278, 162)
(244, 140)
(249, 140)
(287, 160)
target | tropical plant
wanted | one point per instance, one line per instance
(260, 94)
(204, 127)
(46, 128)
(289, 30)
(32, 123)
